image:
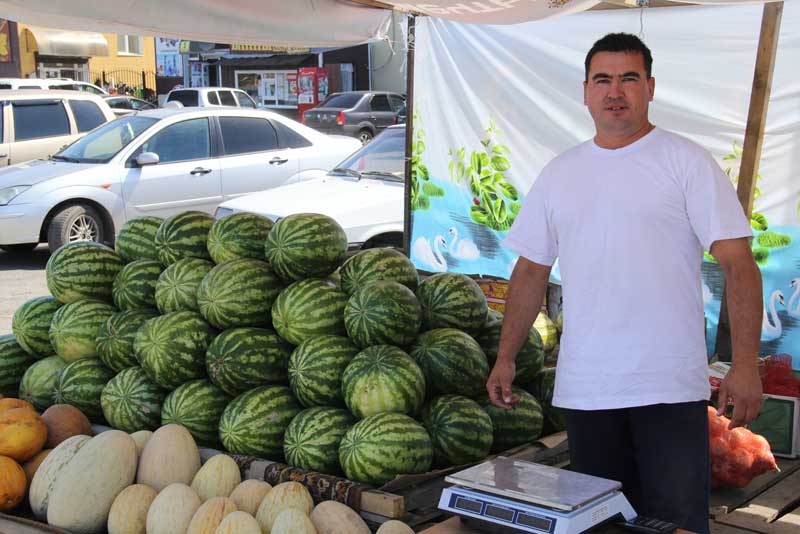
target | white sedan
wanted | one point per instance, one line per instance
(158, 163)
(364, 194)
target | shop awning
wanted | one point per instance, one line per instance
(289, 60)
(69, 43)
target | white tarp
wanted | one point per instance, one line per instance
(300, 23)
(495, 103)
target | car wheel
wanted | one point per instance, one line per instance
(73, 224)
(365, 136)
(19, 247)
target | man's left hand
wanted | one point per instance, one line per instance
(742, 385)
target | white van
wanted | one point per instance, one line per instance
(203, 97)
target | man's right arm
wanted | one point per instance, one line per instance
(525, 296)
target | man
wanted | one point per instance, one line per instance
(628, 214)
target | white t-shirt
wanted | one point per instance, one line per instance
(629, 227)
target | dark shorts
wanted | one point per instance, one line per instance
(659, 453)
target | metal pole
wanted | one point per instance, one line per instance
(407, 215)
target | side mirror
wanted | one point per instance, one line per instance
(147, 158)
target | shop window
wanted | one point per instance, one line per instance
(129, 44)
(243, 135)
(87, 115)
(269, 88)
(35, 119)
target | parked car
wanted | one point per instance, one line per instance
(125, 105)
(363, 193)
(58, 84)
(361, 114)
(157, 162)
(210, 96)
(37, 123)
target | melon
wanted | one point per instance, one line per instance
(169, 456)
(141, 438)
(248, 495)
(210, 514)
(31, 466)
(218, 477)
(238, 523)
(281, 497)
(394, 527)
(22, 434)
(45, 478)
(172, 510)
(128, 513)
(64, 421)
(293, 521)
(12, 483)
(331, 517)
(86, 488)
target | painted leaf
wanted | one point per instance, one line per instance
(499, 163)
(758, 222)
(508, 190)
(501, 150)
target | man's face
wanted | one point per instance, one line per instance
(618, 92)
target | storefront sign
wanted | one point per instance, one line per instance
(267, 49)
(169, 62)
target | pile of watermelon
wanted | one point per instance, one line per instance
(267, 340)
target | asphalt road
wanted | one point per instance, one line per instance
(21, 278)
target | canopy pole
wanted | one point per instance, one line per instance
(410, 45)
(753, 140)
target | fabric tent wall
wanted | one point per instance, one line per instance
(518, 89)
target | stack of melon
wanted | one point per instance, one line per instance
(261, 338)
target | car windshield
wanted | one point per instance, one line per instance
(382, 158)
(342, 100)
(105, 142)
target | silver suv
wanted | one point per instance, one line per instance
(210, 97)
(38, 123)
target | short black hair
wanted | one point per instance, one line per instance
(620, 42)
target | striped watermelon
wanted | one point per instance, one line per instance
(382, 313)
(452, 300)
(83, 270)
(520, 425)
(115, 338)
(81, 384)
(172, 348)
(238, 293)
(378, 264)
(238, 235)
(530, 357)
(307, 309)
(39, 382)
(176, 289)
(377, 449)
(383, 378)
(255, 421)
(460, 430)
(243, 358)
(137, 239)
(31, 325)
(135, 285)
(305, 245)
(316, 367)
(542, 387)
(452, 361)
(183, 236)
(73, 331)
(312, 439)
(131, 401)
(14, 361)
(198, 406)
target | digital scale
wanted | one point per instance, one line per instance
(505, 495)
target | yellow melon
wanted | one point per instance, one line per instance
(210, 514)
(293, 521)
(128, 514)
(238, 523)
(172, 510)
(281, 497)
(218, 477)
(169, 456)
(331, 517)
(395, 527)
(249, 494)
(12, 483)
(22, 433)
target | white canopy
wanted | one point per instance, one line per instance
(307, 23)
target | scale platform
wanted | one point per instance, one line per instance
(526, 497)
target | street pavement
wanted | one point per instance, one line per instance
(21, 278)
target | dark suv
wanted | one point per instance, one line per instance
(361, 114)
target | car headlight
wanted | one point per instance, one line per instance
(10, 193)
(222, 212)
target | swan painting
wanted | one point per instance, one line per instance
(794, 300)
(771, 327)
(430, 257)
(464, 249)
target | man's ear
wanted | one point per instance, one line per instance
(585, 86)
(652, 84)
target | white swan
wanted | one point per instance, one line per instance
(772, 329)
(464, 249)
(430, 256)
(794, 306)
